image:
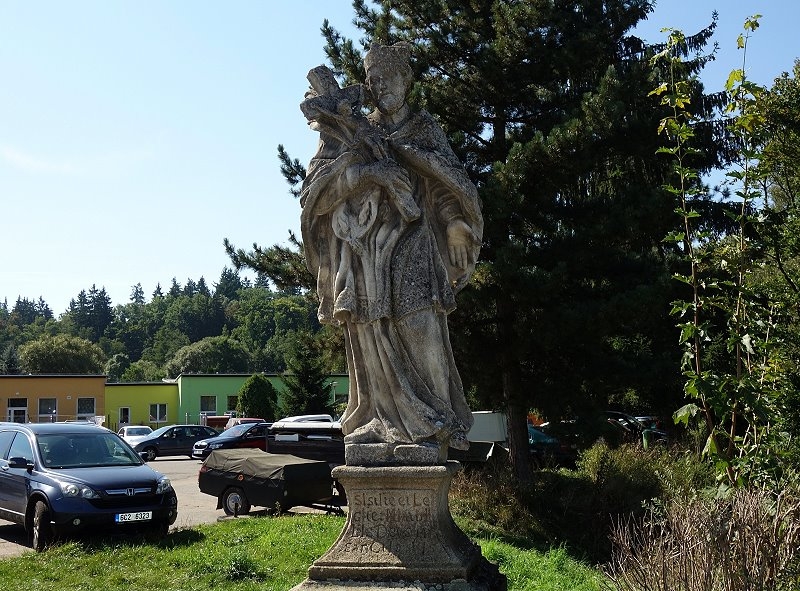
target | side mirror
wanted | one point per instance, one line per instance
(144, 455)
(20, 463)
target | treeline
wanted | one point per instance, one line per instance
(234, 326)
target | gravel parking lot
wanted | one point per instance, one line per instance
(194, 507)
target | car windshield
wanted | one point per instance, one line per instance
(85, 450)
(131, 431)
(237, 430)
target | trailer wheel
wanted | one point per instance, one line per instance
(234, 501)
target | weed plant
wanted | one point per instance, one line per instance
(747, 540)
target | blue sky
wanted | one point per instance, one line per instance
(135, 136)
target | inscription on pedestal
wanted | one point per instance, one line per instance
(390, 522)
(399, 528)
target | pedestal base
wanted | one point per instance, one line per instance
(399, 534)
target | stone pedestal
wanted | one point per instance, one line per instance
(399, 534)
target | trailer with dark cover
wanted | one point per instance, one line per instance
(241, 478)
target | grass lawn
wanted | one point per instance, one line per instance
(264, 554)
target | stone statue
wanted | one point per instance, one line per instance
(391, 227)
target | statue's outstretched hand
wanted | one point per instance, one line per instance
(460, 242)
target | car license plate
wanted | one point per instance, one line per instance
(140, 516)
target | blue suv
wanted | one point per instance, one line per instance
(57, 479)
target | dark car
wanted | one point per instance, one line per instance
(59, 479)
(632, 430)
(253, 435)
(546, 450)
(173, 440)
(314, 440)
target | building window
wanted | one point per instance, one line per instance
(18, 410)
(86, 408)
(47, 410)
(158, 413)
(124, 415)
(208, 404)
(233, 402)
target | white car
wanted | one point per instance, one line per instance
(133, 434)
(307, 419)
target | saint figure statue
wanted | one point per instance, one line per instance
(391, 228)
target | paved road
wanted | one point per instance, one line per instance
(194, 507)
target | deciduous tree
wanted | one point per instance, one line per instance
(258, 398)
(61, 354)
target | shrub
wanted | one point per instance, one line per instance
(576, 508)
(749, 540)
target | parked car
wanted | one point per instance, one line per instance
(173, 440)
(60, 479)
(546, 450)
(632, 429)
(315, 440)
(133, 434)
(253, 435)
(241, 478)
(233, 421)
(307, 419)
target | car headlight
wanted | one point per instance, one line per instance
(214, 445)
(163, 485)
(70, 489)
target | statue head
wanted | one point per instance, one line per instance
(389, 75)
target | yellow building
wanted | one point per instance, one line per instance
(50, 398)
(141, 403)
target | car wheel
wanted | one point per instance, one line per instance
(151, 453)
(234, 502)
(41, 531)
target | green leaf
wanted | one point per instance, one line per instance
(747, 343)
(710, 448)
(684, 413)
(674, 237)
(734, 77)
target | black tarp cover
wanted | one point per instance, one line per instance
(258, 464)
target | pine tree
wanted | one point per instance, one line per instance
(202, 288)
(9, 361)
(101, 312)
(307, 389)
(228, 285)
(137, 294)
(174, 289)
(190, 288)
